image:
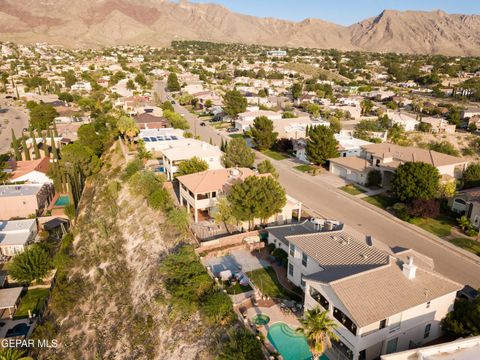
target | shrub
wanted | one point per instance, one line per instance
(424, 208)
(401, 211)
(160, 200)
(145, 183)
(132, 167)
(217, 308)
(271, 248)
(70, 211)
(374, 178)
(239, 345)
(281, 256)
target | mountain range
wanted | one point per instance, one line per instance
(96, 23)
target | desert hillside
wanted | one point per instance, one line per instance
(94, 23)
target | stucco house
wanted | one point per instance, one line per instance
(24, 200)
(199, 192)
(382, 302)
(186, 149)
(387, 157)
(15, 235)
(30, 171)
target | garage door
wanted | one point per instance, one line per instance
(339, 171)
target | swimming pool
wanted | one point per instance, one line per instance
(62, 200)
(289, 344)
(261, 319)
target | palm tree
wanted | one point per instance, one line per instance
(127, 127)
(318, 329)
(13, 354)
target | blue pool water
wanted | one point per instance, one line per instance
(62, 200)
(289, 344)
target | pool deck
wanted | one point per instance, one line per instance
(275, 314)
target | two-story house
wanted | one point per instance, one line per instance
(185, 149)
(382, 302)
(200, 192)
(386, 158)
(22, 201)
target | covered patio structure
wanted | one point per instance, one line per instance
(8, 301)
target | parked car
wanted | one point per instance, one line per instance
(203, 124)
(232, 130)
(173, 102)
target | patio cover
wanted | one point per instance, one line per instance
(9, 297)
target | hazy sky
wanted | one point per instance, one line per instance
(344, 12)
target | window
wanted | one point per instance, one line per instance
(304, 259)
(302, 281)
(319, 298)
(383, 323)
(392, 346)
(426, 333)
(362, 355)
(292, 250)
(428, 304)
(290, 269)
(345, 320)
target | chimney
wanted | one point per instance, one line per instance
(408, 269)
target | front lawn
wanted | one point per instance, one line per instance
(237, 289)
(266, 280)
(275, 155)
(440, 226)
(467, 244)
(352, 189)
(33, 300)
(303, 168)
(382, 201)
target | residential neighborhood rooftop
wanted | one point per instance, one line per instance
(19, 190)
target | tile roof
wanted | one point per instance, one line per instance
(213, 180)
(24, 167)
(410, 153)
(385, 291)
(352, 162)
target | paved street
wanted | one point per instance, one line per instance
(323, 199)
(11, 117)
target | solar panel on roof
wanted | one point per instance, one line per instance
(146, 139)
(153, 139)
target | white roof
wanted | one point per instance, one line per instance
(188, 148)
(16, 225)
(19, 190)
(348, 142)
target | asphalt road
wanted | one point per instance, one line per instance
(325, 200)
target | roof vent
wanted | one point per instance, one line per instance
(234, 172)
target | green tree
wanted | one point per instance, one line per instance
(167, 105)
(176, 120)
(141, 80)
(32, 264)
(131, 85)
(15, 147)
(321, 145)
(416, 181)
(318, 329)
(172, 82)
(191, 166)
(127, 127)
(256, 198)
(76, 157)
(471, 176)
(296, 90)
(266, 167)
(396, 135)
(238, 154)
(224, 213)
(36, 150)
(234, 103)
(26, 150)
(366, 106)
(314, 110)
(42, 116)
(262, 133)
(89, 137)
(65, 96)
(464, 321)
